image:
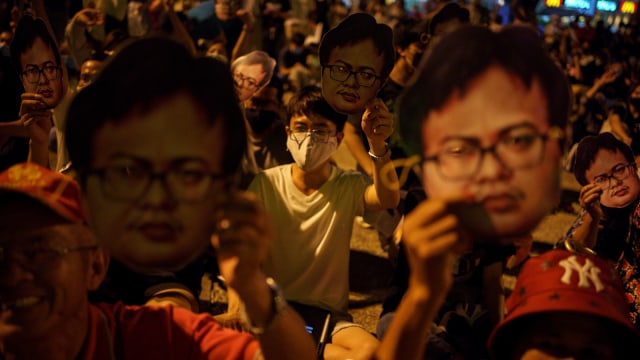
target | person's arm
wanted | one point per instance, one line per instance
(75, 35)
(242, 45)
(13, 128)
(607, 77)
(585, 228)
(179, 32)
(577, 69)
(356, 147)
(618, 128)
(35, 117)
(377, 124)
(242, 239)
(432, 237)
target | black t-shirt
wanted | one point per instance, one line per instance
(612, 237)
(133, 288)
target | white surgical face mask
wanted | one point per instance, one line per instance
(309, 154)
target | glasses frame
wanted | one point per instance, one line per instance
(152, 176)
(610, 175)
(41, 71)
(351, 72)
(240, 80)
(554, 133)
(313, 133)
(23, 258)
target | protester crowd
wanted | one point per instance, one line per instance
(146, 145)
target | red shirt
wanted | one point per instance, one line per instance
(118, 331)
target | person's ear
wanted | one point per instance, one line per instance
(340, 136)
(98, 265)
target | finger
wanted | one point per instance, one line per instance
(33, 98)
(440, 227)
(382, 129)
(597, 192)
(591, 192)
(591, 199)
(28, 105)
(40, 114)
(431, 209)
(245, 242)
(376, 104)
(28, 120)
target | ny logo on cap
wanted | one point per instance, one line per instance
(586, 272)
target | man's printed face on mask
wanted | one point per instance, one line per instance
(247, 78)
(362, 64)
(41, 74)
(474, 138)
(616, 176)
(164, 226)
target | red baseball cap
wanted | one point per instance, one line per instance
(562, 281)
(59, 192)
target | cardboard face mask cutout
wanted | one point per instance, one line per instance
(467, 128)
(356, 57)
(606, 167)
(252, 72)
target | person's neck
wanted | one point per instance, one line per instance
(56, 344)
(401, 73)
(310, 181)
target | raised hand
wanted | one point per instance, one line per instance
(433, 236)
(242, 239)
(36, 116)
(590, 200)
(377, 121)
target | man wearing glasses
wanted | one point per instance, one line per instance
(606, 168)
(313, 204)
(49, 260)
(36, 57)
(356, 57)
(151, 164)
(486, 115)
(252, 72)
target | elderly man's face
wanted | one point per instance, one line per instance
(152, 206)
(41, 74)
(42, 290)
(490, 143)
(351, 78)
(247, 79)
